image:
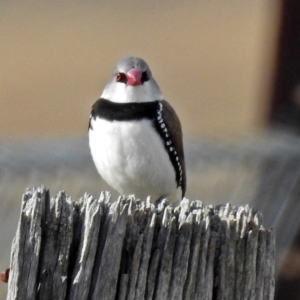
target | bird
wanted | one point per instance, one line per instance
(135, 135)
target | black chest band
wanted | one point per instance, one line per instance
(153, 111)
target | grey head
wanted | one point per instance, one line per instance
(132, 81)
(130, 62)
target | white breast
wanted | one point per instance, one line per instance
(130, 157)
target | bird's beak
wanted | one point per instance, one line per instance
(134, 77)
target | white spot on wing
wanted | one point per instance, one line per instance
(169, 142)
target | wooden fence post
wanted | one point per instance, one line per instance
(129, 249)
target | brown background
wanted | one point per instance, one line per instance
(212, 59)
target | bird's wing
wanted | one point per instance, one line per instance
(174, 128)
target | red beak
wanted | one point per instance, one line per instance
(134, 77)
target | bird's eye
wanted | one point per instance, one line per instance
(145, 76)
(121, 77)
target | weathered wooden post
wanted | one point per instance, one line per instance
(95, 249)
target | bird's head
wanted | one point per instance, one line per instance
(132, 81)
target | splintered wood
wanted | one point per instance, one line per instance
(131, 249)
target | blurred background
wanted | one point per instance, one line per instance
(231, 70)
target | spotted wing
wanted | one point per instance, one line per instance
(174, 128)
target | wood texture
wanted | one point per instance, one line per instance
(132, 250)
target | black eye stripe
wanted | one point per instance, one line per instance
(121, 77)
(145, 76)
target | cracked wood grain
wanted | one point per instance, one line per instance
(131, 250)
